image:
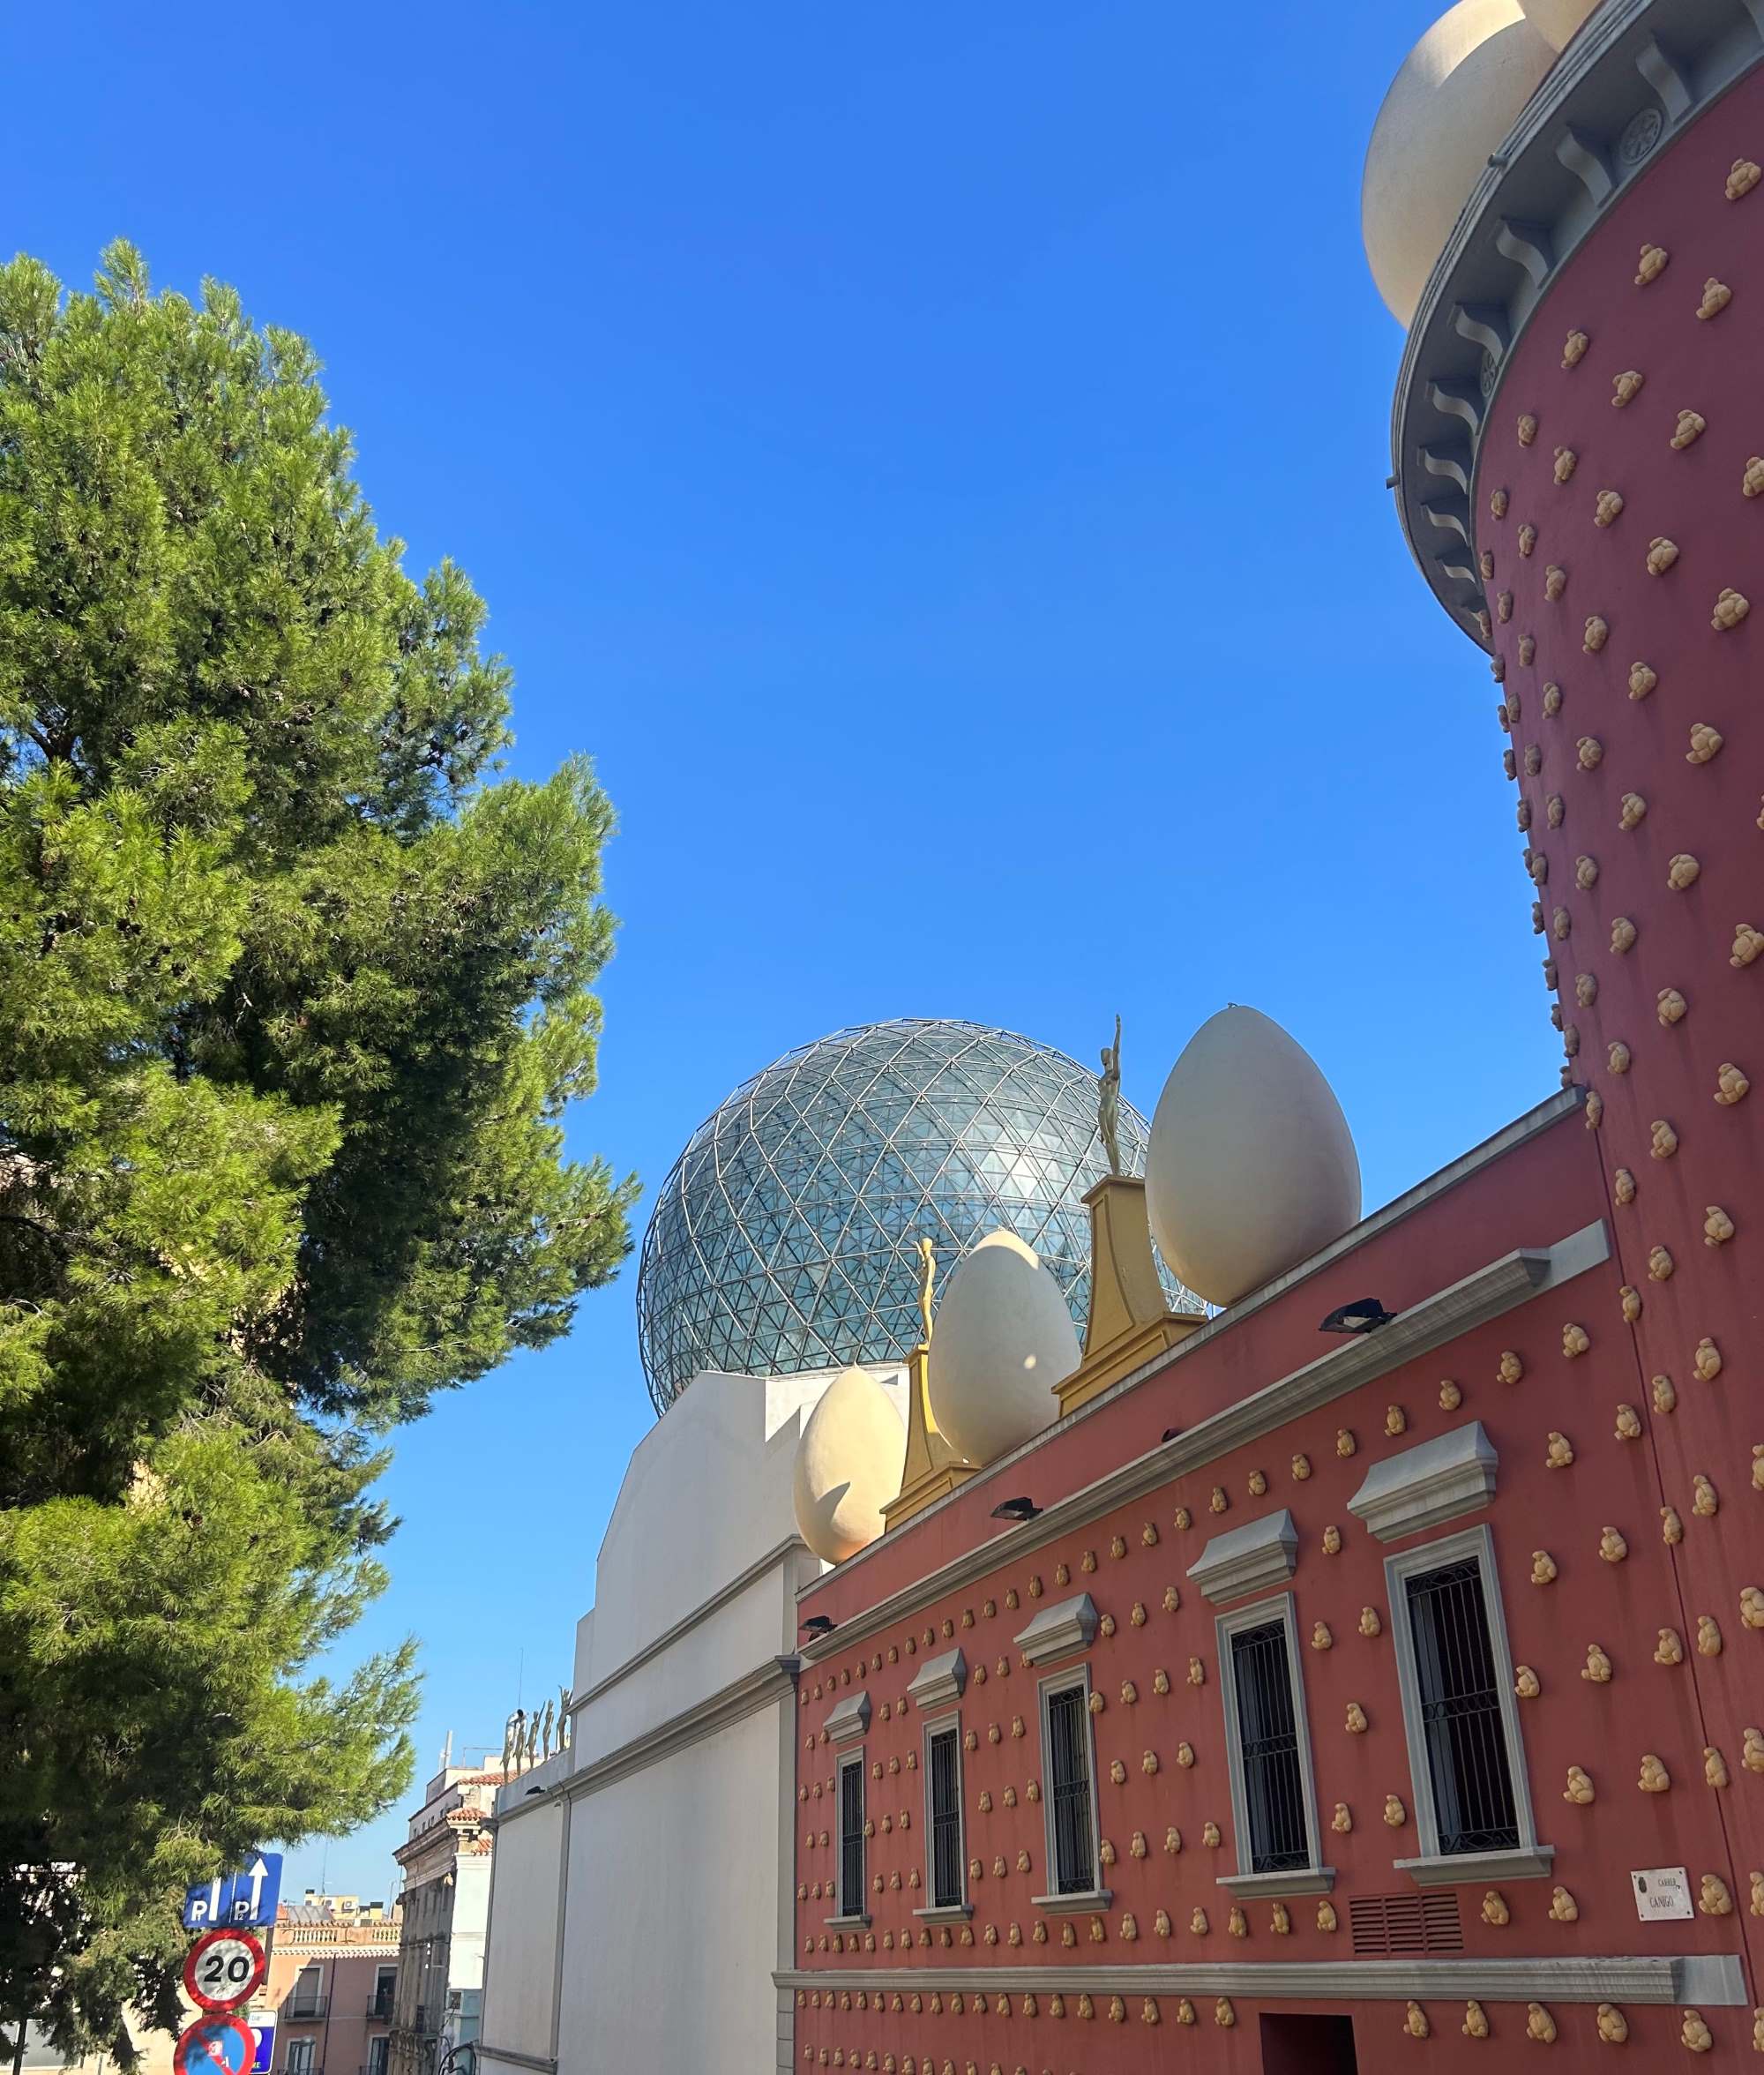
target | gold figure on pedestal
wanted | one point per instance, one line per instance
(1109, 1101)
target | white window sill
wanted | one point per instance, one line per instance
(1463, 1868)
(1092, 1902)
(1296, 1880)
(946, 1912)
(847, 1923)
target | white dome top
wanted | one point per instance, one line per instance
(1252, 1164)
(1459, 93)
(848, 1465)
(1556, 20)
(1003, 1340)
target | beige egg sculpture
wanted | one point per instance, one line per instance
(1251, 1166)
(1556, 20)
(1003, 1340)
(849, 1464)
(1458, 94)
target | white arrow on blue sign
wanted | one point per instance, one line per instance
(246, 1898)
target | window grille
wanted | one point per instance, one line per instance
(1466, 1739)
(1426, 1923)
(944, 1759)
(851, 1897)
(1268, 1739)
(1068, 1725)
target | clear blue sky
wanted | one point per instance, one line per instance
(933, 458)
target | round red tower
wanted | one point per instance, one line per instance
(1580, 466)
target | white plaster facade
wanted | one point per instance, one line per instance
(640, 1900)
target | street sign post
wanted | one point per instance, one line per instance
(223, 1968)
(218, 2045)
(242, 1899)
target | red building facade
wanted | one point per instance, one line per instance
(1342, 1699)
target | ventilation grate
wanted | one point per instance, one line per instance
(1405, 1923)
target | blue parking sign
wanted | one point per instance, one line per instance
(263, 2032)
(242, 1899)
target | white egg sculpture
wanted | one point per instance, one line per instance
(1459, 93)
(1557, 20)
(849, 1463)
(1003, 1338)
(1251, 1166)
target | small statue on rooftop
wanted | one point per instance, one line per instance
(1109, 1101)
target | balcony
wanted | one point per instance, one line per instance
(379, 2007)
(302, 2007)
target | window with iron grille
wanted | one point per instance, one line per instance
(943, 1773)
(1268, 1748)
(1069, 1792)
(1468, 1767)
(851, 1896)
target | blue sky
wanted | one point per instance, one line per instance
(933, 459)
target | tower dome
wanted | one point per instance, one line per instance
(784, 1238)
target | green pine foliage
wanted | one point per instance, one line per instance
(294, 991)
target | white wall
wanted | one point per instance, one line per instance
(677, 1908)
(520, 1975)
(678, 1912)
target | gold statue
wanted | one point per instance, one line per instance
(927, 1282)
(1109, 1101)
(545, 1731)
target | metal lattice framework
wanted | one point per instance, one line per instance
(784, 1237)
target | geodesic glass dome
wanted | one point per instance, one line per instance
(784, 1238)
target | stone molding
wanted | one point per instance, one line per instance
(939, 1680)
(546, 2064)
(1301, 1880)
(1716, 1980)
(848, 1719)
(1057, 1630)
(765, 1686)
(1090, 1902)
(1485, 1294)
(1253, 1558)
(1637, 74)
(1435, 1481)
(1528, 1863)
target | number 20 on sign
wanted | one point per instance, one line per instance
(223, 1969)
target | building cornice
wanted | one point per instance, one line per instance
(1511, 1280)
(1637, 74)
(1712, 1980)
(763, 1687)
(773, 1558)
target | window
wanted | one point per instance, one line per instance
(851, 1894)
(385, 1987)
(1460, 1706)
(1070, 1820)
(1273, 1802)
(1464, 1752)
(1267, 1749)
(379, 2048)
(300, 2056)
(943, 1811)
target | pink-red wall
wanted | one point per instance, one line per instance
(1709, 812)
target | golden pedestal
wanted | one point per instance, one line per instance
(932, 1469)
(1129, 1324)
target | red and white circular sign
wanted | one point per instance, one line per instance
(223, 1968)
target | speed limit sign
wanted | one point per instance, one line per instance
(223, 1969)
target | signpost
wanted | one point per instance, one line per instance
(244, 1900)
(217, 2045)
(223, 1969)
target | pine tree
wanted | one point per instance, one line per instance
(294, 991)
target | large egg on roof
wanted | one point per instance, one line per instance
(1251, 1166)
(1003, 1340)
(849, 1463)
(1458, 94)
